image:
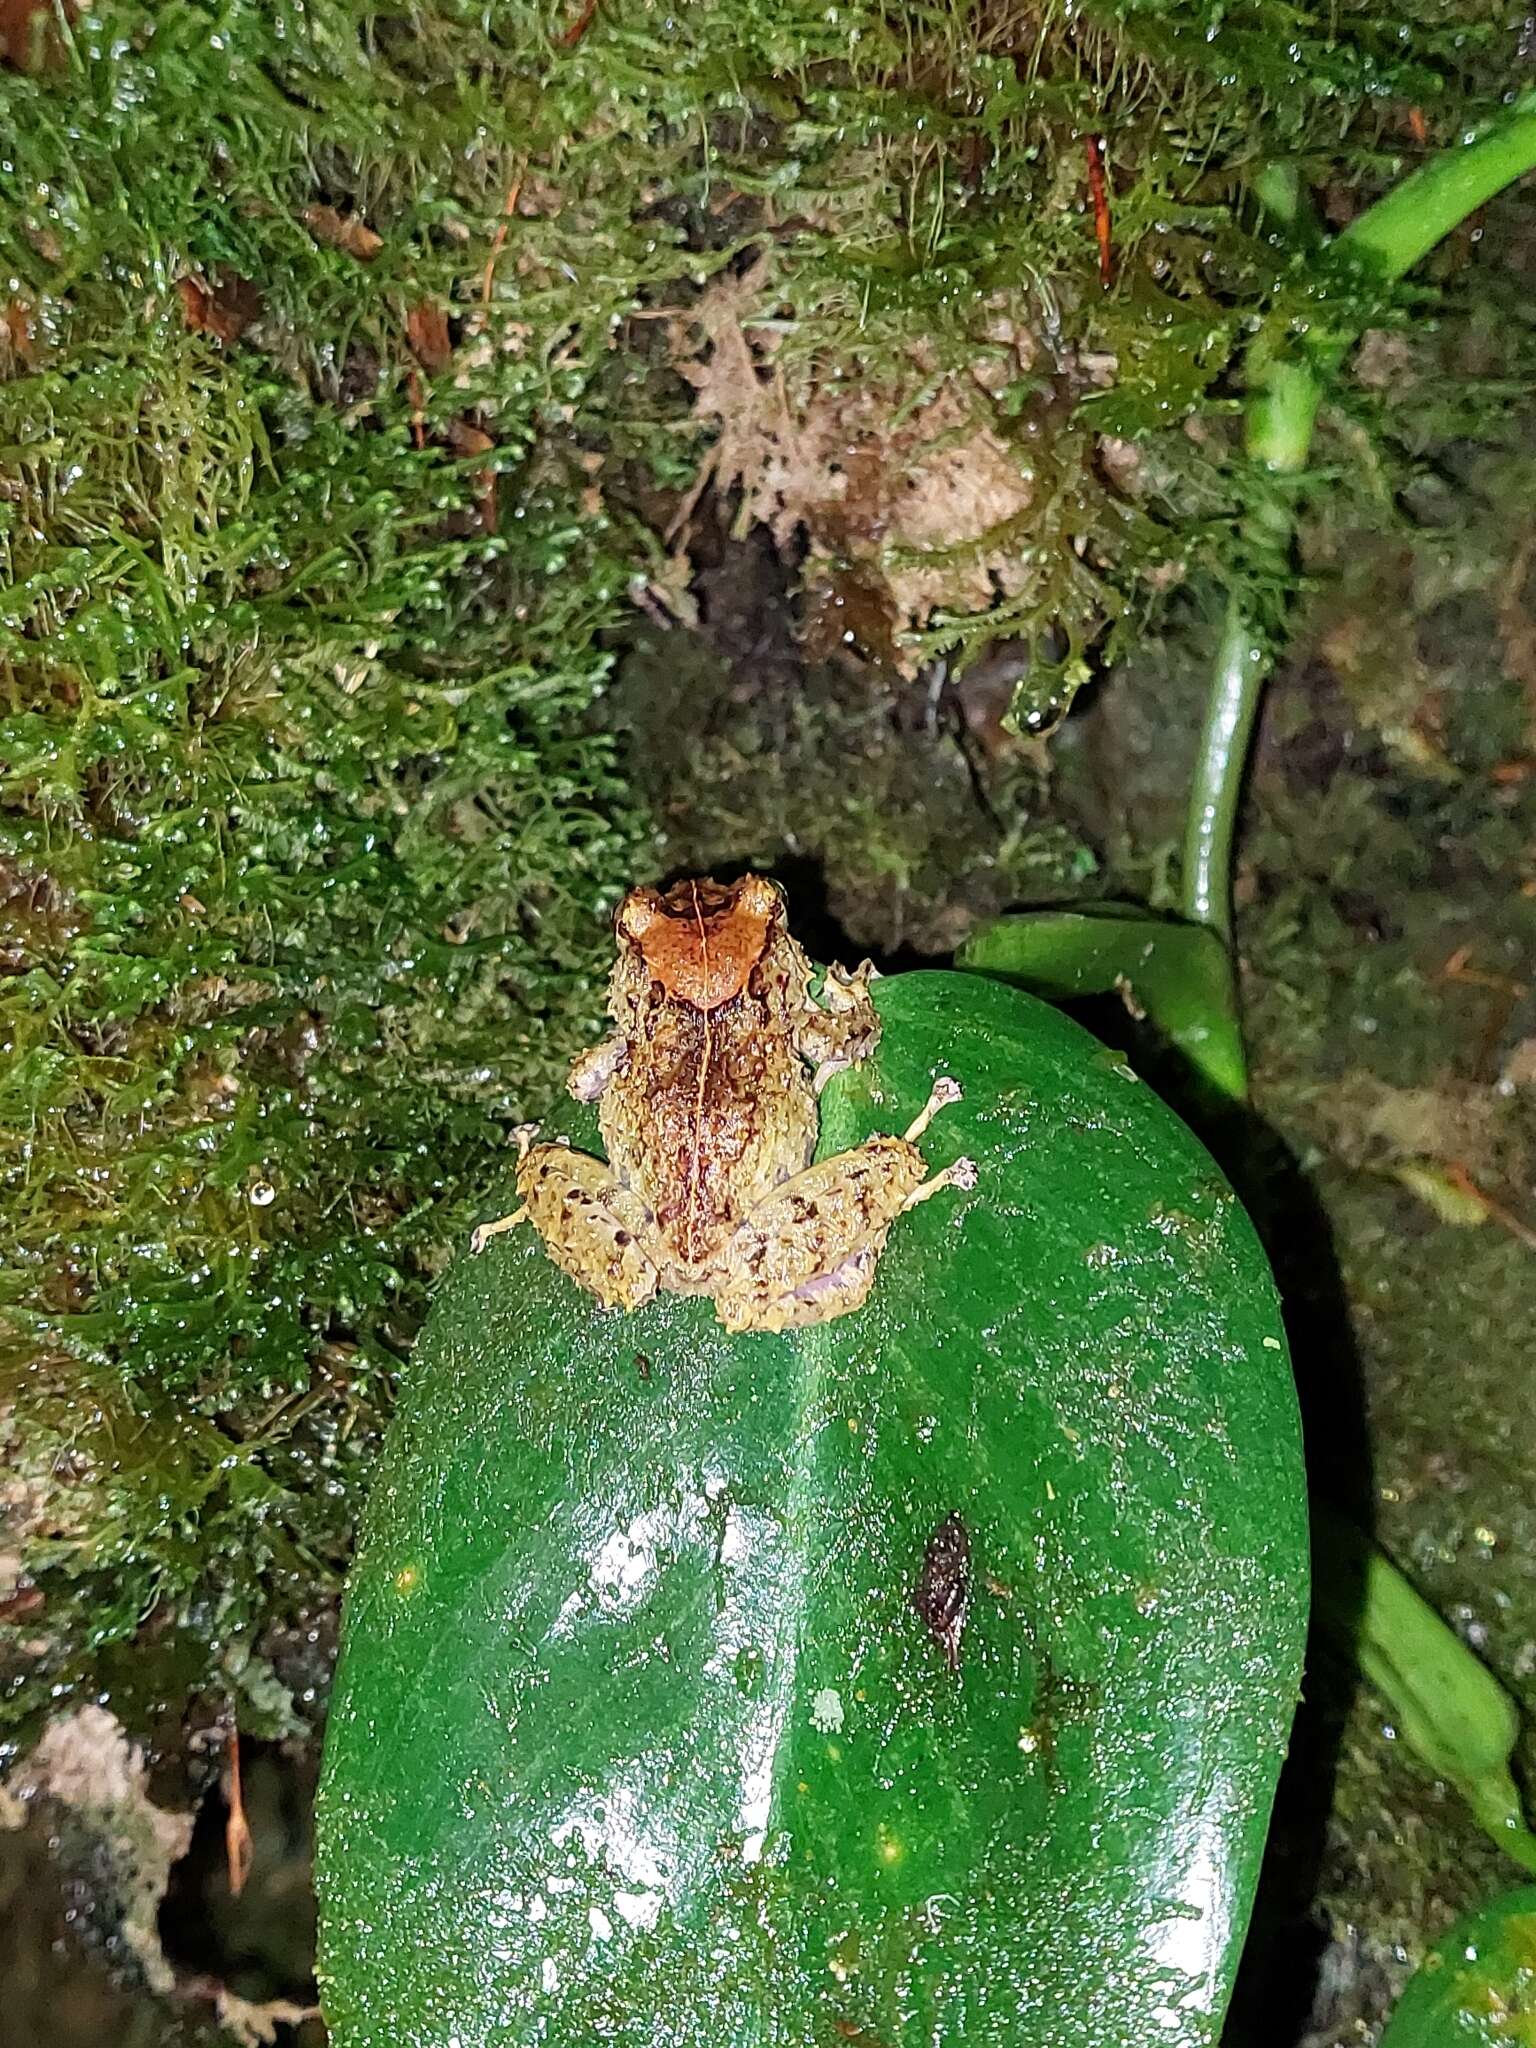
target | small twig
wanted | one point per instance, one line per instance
(238, 1847)
(1098, 189)
(1463, 1182)
(1458, 968)
(578, 28)
(499, 239)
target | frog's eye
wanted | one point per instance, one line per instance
(637, 914)
(759, 897)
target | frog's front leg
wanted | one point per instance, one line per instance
(591, 1224)
(592, 1070)
(808, 1252)
(843, 1028)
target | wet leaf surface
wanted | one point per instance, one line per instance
(644, 1730)
(1477, 1985)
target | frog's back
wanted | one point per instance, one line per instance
(718, 1112)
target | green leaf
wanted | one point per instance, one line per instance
(638, 1736)
(1477, 1986)
(1179, 975)
(1449, 1708)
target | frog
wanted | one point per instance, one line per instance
(708, 1100)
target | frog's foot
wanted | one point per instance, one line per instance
(482, 1233)
(523, 1136)
(945, 1090)
(961, 1175)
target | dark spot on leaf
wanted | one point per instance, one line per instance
(943, 1591)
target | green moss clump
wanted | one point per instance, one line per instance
(305, 848)
(329, 403)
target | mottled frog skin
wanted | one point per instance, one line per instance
(707, 1100)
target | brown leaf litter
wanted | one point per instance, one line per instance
(903, 486)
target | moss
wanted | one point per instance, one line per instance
(331, 408)
(305, 847)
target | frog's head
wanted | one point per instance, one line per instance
(701, 939)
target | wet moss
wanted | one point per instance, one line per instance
(305, 847)
(334, 432)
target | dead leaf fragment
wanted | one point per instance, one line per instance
(17, 337)
(426, 328)
(86, 1763)
(344, 231)
(29, 33)
(255, 2025)
(907, 484)
(1384, 360)
(223, 310)
(466, 439)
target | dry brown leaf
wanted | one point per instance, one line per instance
(426, 328)
(907, 480)
(343, 231)
(86, 1763)
(17, 335)
(29, 33)
(224, 311)
(1374, 1126)
(464, 438)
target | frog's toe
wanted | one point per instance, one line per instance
(482, 1233)
(961, 1175)
(945, 1091)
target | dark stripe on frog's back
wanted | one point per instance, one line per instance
(752, 1115)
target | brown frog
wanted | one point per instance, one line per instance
(707, 1092)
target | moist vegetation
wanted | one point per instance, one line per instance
(365, 376)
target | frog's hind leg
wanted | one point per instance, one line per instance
(482, 1233)
(808, 1252)
(961, 1175)
(590, 1223)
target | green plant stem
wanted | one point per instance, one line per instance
(1285, 389)
(1405, 224)
(1449, 1709)
(1236, 685)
